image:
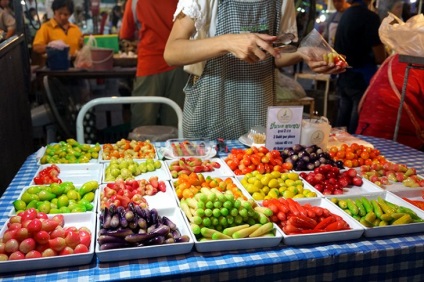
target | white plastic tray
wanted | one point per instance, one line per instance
(42, 150)
(392, 229)
(159, 200)
(224, 170)
(162, 173)
(173, 214)
(306, 185)
(239, 244)
(76, 173)
(78, 220)
(355, 232)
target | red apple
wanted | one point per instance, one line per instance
(81, 248)
(33, 254)
(42, 237)
(16, 256)
(66, 251)
(48, 253)
(72, 239)
(27, 245)
(57, 244)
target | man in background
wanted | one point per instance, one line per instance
(152, 22)
(357, 38)
(7, 21)
(333, 21)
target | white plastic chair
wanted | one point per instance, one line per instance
(126, 100)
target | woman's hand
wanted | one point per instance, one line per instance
(250, 47)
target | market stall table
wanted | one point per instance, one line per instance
(382, 258)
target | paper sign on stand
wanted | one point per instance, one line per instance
(283, 127)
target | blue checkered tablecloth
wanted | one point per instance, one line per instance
(392, 258)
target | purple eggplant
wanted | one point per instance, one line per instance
(122, 219)
(138, 238)
(109, 246)
(157, 240)
(176, 233)
(154, 216)
(182, 239)
(114, 222)
(169, 222)
(129, 215)
(103, 239)
(116, 233)
(142, 223)
(107, 219)
(141, 212)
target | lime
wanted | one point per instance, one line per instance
(19, 205)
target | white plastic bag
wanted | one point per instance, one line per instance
(83, 58)
(405, 38)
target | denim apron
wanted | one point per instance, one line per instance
(232, 95)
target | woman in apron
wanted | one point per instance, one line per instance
(226, 45)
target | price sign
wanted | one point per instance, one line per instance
(283, 127)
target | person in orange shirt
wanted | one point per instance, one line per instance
(151, 21)
(59, 28)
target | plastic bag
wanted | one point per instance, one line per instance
(83, 58)
(287, 88)
(406, 38)
(57, 44)
(316, 48)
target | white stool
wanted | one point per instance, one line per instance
(317, 77)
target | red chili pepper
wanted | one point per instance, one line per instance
(293, 206)
(303, 222)
(325, 222)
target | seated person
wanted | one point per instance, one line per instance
(379, 106)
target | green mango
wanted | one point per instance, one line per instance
(34, 190)
(32, 204)
(46, 195)
(89, 197)
(19, 205)
(28, 197)
(88, 187)
(57, 189)
(65, 210)
(67, 186)
(44, 207)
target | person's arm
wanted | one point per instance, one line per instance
(180, 50)
(40, 41)
(380, 53)
(128, 26)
